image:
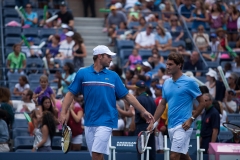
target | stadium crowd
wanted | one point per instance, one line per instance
(38, 78)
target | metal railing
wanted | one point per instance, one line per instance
(189, 33)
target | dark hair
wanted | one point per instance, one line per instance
(4, 95)
(155, 49)
(4, 116)
(77, 38)
(117, 69)
(29, 93)
(228, 66)
(219, 8)
(71, 67)
(95, 57)
(162, 69)
(142, 77)
(176, 58)
(131, 72)
(235, 77)
(217, 106)
(204, 89)
(49, 121)
(24, 78)
(51, 106)
(57, 37)
(16, 45)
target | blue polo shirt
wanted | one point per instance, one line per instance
(179, 95)
(99, 90)
(186, 12)
(31, 16)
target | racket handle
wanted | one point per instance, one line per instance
(155, 125)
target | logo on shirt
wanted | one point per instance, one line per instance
(207, 120)
(106, 78)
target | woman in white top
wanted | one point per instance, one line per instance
(44, 133)
(21, 86)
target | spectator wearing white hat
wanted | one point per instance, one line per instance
(215, 87)
(66, 47)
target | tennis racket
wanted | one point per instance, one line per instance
(66, 137)
(232, 127)
(142, 139)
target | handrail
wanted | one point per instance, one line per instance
(2, 40)
(189, 34)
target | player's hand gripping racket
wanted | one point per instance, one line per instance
(142, 139)
(232, 127)
(66, 137)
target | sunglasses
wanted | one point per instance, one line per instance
(174, 20)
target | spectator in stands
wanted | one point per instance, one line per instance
(79, 51)
(145, 39)
(115, 18)
(235, 138)
(129, 75)
(66, 47)
(227, 69)
(168, 11)
(210, 123)
(161, 72)
(32, 17)
(215, 87)
(228, 103)
(157, 64)
(201, 39)
(134, 13)
(181, 50)
(163, 39)
(16, 60)
(231, 20)
(4, 136)
(216, 17)
(65, 29)
(186, 10)
(43, 90)
(75, 123)
(53, 47)
(21, 86)
(175, 29)
(24, 105)
(44, 133)
(236, 66)
(66, 78)
(52, 66)
(199, 16)
(155, 51)
(214, 48)
(91, 5)
(132, 59)
(47, 105)
(148, 103)
(146, 71)
(194, 64)
(52, 24)
(33, 51)
(232, 81)
(65, 16)
(142, 24)
(6, 104)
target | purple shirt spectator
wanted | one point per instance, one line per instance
(47, 93)
(53, 50)
(62, 37)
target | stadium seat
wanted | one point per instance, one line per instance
(189, 25)
(34, 77)
(36, 61)
(13, 77)
(202, 79)
(9, 19)
(45, 33)
(223, 136)
(124, 54)
(56, 143)
(12, 32)
(23, 142)
(20, 123)
(31, 32)
(20, 132)
(51, 77)
(67, 60)
(233, 117)
(232, 44)
(132, 25)
(212, 64)
(9, 3)
(178, 43)
(121, 44)
(164, 54)
(34, 85)
(145, 54)
(166, 25)
(10, 13)
(236, 122)
(7, 51)
(10, 41)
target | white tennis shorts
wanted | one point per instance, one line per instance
(77, 139)
(180, 139)
(97, 139)
(159, 141)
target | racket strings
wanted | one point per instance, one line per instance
(66, 139)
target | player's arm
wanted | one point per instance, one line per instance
(65, 105)
(200, 107)
(134, 102)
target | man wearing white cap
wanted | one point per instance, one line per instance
(66, 47)
(100, 87)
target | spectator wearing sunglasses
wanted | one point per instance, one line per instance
(32, 17)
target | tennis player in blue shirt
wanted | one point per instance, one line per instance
(100, 87)
(179, 92)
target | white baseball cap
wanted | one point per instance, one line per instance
(147, 64)
(118, 5)
(212, 73)
(101, 49)
(65, 26)
(69, 33)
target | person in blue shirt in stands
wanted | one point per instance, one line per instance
(186, 10)
(100, 87)
(32, 17)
